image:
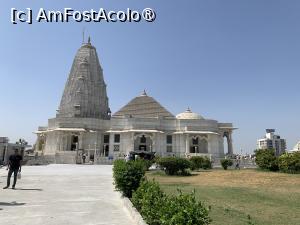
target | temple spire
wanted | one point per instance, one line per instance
(83, 36)
(144, 93)
(85, 90)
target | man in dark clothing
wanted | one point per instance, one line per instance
(237, 165)
(14, 166)
(83, 158)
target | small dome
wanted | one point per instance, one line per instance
(189, 115)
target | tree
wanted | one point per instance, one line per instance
(266, 159)
(289, 162)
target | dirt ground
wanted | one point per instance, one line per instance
(237, 178)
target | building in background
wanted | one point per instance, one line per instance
(296, 148)
(84, 124)
(272, 141)
(7, 149)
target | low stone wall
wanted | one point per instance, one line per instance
(65, 158)
(104, 161)
(62, 158)
(244, 163)
(51, 159)
(38, 160)
(135, 215)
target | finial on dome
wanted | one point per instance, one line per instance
(83, 35)
(144, 93)
(89, 40)
(189, 115)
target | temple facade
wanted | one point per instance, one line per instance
(84, 123)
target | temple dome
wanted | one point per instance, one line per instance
(143, 106)
(189, 115)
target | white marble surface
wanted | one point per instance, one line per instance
(62, 194)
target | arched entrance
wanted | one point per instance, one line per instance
(74, 142)
(105, 151)
(143, 142)
(198, 144)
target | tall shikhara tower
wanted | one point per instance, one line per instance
(83, 115)
(85, 95)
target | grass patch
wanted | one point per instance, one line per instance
(234, 196)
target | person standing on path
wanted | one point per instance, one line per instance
(83, 158)
(14, 165)
(237, 165)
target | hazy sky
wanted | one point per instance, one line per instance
(233, 61)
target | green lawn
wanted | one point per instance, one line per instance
(269, 198)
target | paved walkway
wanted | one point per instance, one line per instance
(62, 195)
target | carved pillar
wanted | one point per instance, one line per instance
(187, 144)
(37, 143)
(80, 140)
(153, 148)
(229, 142)
(44, 138)
(132, 141)
(58, 141)
(61, 141)
(111, 145)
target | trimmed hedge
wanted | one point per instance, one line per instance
(159, 209)
(289, 162)
(184, 209)
(199, 162)
(175, 165)
(147, 163)
(128, 175)
(226, 163)
(148, 200)
(154, 205)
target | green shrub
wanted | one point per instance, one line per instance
(199, 162)
(289, 162)
(207, 164)
(148, 200)
(159, 209)
(226, 163)
(175, 165)
(128, 175)
(147, 163)
(266, 159)
(184, 209)
(156, 159)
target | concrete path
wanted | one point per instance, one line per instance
(62, 195)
